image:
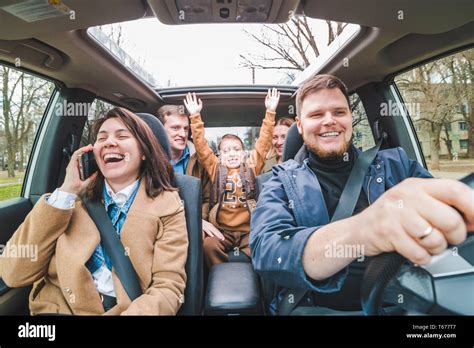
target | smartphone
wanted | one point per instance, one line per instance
(87, 165)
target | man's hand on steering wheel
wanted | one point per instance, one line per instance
(418, 218)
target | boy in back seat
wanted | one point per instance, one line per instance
(233, 179)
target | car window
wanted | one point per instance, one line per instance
(438, 96)
(362, 134)
(23, 101)
(363, 138)
(97, 110)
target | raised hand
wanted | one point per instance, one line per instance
(193, 105)
(272, 99)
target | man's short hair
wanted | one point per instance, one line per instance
(230, 137)
(170, 110)
(318, 83)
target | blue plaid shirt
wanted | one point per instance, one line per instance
(117, 216)
(180, 165)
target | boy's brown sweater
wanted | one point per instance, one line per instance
(233, 213)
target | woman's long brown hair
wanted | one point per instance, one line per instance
(156, 171)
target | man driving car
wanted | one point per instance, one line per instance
(293, 243)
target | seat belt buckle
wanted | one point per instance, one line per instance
(107, 301)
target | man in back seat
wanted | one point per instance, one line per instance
(184, 158)
(293, 243)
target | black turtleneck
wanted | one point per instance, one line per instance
(332, 175)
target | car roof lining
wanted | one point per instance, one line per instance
(374, 55)
(391, 77)
(104, 77)
(247, 102)
(377, 52)
(416, 16)
(88, 13)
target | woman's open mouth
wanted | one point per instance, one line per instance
(112, 158)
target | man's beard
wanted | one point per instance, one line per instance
(328, 155)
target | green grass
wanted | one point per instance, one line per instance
(4, 179)
(11, 191)
(15, 180)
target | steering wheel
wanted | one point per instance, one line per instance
(443, 287)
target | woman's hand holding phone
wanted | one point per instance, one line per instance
(72, 181)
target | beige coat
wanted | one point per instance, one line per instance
(154, 234)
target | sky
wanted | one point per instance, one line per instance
(200, 54)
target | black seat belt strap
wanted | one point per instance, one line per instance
(344, 209)
(114, 248)
(353, 187)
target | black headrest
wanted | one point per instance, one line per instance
(157, 128)
(293, 143)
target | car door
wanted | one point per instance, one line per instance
(25, 99)
(40, 121)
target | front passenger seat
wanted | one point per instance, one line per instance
(190, 192)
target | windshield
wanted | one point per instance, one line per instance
(220, 54)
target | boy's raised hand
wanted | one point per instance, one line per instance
(193, 105)
(272, 99)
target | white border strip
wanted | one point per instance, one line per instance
(419, 156)
(39, 144)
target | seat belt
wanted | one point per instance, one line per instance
(114, 248)
(344, 209)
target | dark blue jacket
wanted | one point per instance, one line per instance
(291, 208)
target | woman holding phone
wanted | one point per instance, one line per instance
(72, 273)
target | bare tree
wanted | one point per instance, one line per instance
(114, 32)
(429, 86)
(23, 96)
(291, 46)
(461, 68)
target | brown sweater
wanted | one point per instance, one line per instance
(233, 213)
